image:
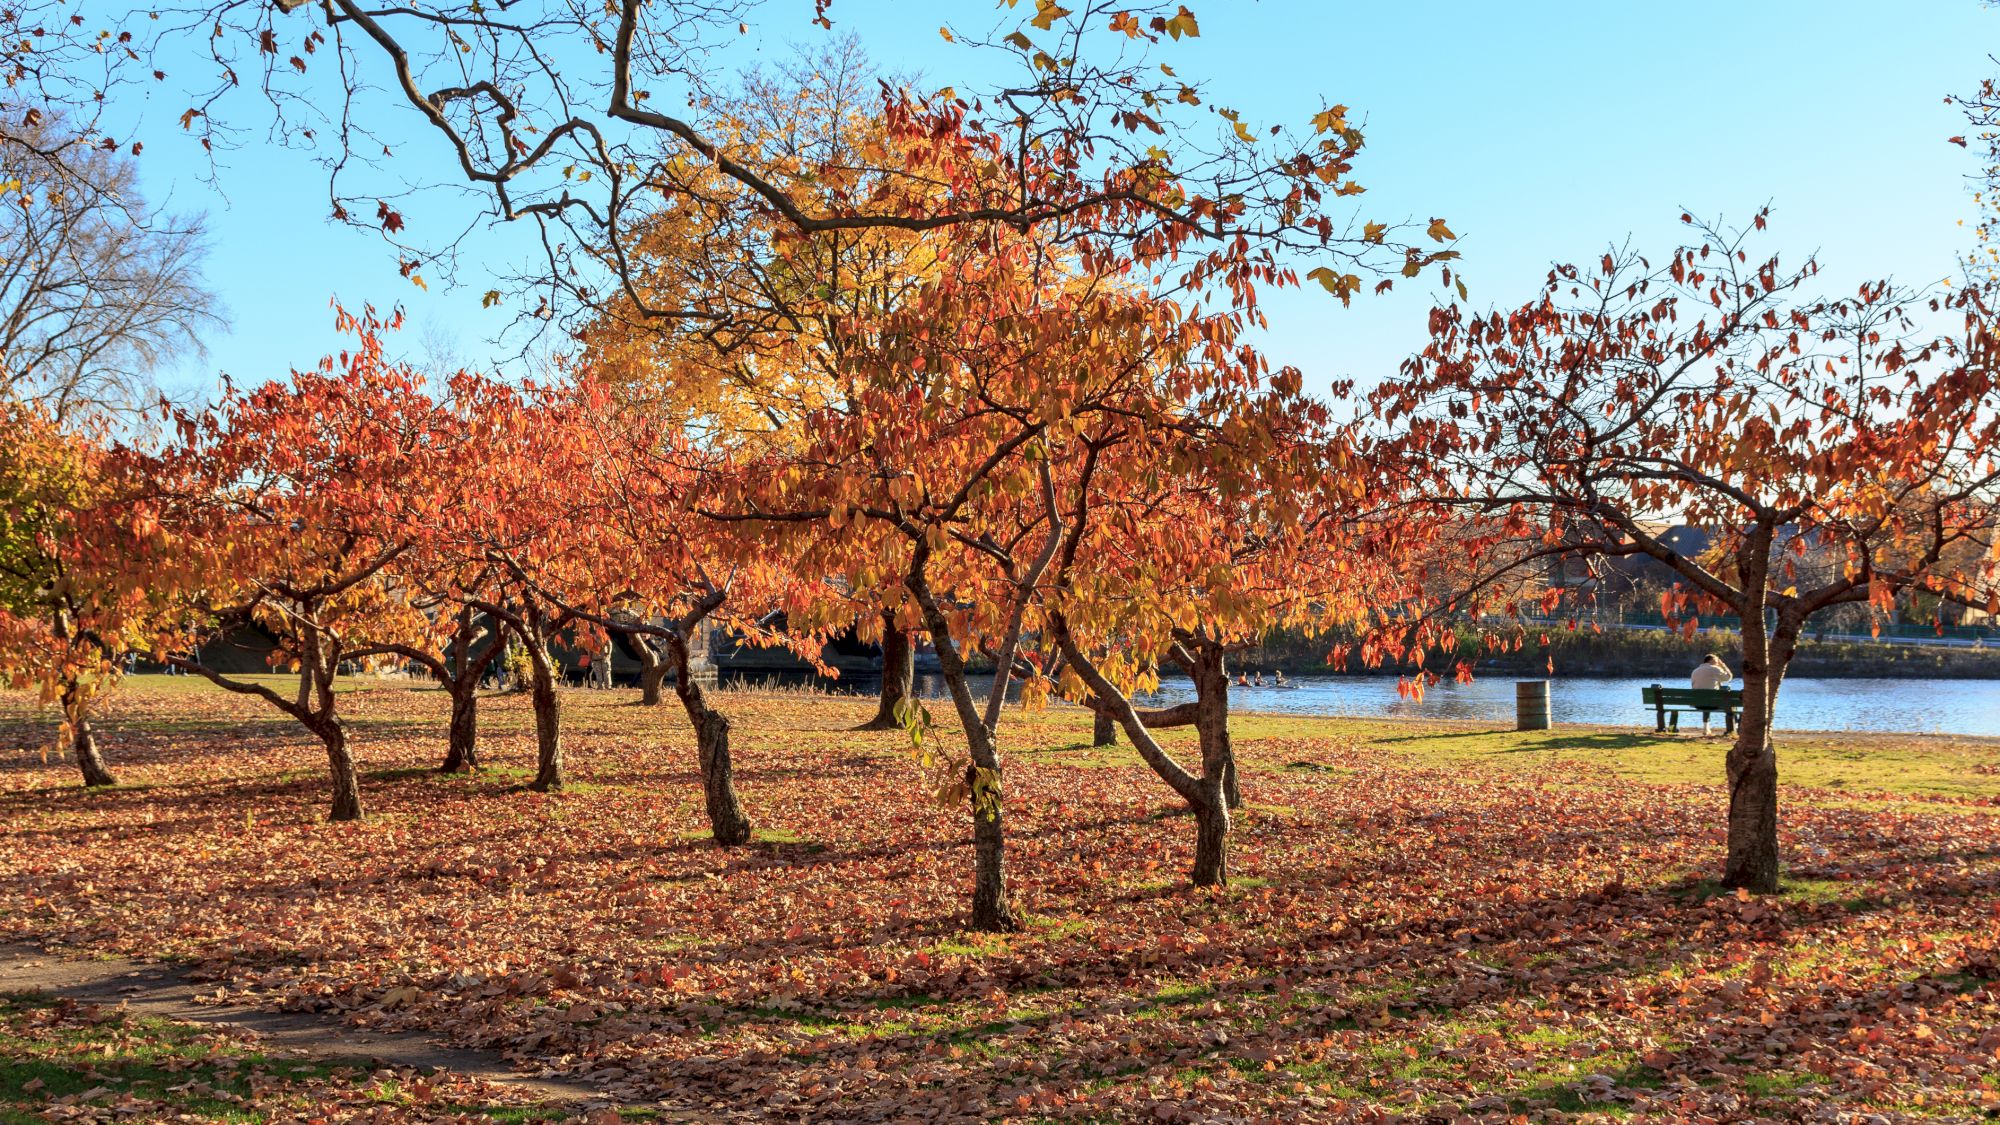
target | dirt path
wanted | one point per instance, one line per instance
(163, 991)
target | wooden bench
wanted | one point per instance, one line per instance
(1669, 704)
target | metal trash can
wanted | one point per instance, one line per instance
(1531, 705)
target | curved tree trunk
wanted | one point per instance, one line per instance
(83, 740)
(89, 759)
(711, 733)
(463, 752)
(898, 676)
(1203, 794)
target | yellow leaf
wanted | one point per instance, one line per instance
(1373, 232)
(1340, 285)
(1439, 231)
(1021, 41)
(946, 32)
(1047, 12)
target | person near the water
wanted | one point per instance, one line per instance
(1257, 679)
(1710, 675)
(1278, 678)
(1242, 679)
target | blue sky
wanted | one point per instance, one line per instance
(1539, 130)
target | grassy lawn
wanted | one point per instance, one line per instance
(1425, 919)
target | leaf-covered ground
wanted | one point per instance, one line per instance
(63, 1061)
(1427, 922)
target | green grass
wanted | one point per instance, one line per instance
(1909, 765)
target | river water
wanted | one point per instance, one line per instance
(1891, 705)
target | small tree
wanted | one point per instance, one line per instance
(289, 501)
(85, 571)
(1192, 528)
(1710, 390)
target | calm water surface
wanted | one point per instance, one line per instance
(1907, 706)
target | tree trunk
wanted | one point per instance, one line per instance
(1203, 794)
(83, 740)
(990, 911)
(1103, 729)
(652, 672)
(898, 676)
(1752, 762)
(548, 719)
(89, 759)
(1211, 842)
(463, 752)
(1218, 766)
(726, 819)
(346, 781)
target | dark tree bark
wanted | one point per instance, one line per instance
(340, 764)
(1211, 841)
(461, 676)
(728, 824)
(462, 752)
(83, 740)
(726, 818)
(898, 676)
(1103, 729)
(549, 772)
(1210, 670)
(534, 626)
(1752, 761)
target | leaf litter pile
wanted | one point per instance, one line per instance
(1409, 936)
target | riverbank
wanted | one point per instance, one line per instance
(1645, 652)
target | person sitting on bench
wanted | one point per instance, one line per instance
(1709, 675)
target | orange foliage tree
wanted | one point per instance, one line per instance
(1712, 390)
(1191, 533)
(289, 501)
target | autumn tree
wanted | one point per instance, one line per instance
(927, 484)
(290, 500)
(85, 570)
(524, 518)
(459, 644)
(1714, 390)
(670, 576)
(776, 311)
(1206, 511)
